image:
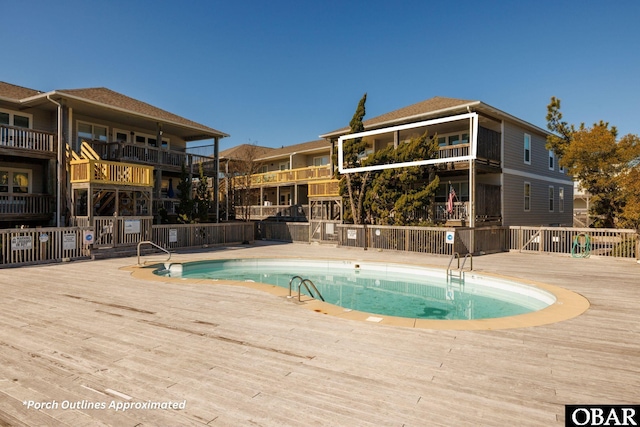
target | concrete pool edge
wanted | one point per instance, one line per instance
(568, 304)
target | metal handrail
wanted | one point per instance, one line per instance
(291, 281)
(460, 269)
(453, 256)
(147, 242)
(304, 282)
(465, 260)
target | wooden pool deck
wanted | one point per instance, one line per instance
(83, 334)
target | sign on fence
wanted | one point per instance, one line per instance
(88, 237)
(173, 235)
(450, 237)
(21, 242)
(352, 234)
(68, 241)
(131, 226)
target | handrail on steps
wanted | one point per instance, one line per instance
(147, 242)
(305, 282)
(460, 269)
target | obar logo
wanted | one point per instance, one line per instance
(602, 415)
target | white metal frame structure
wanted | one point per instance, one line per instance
(473, 130)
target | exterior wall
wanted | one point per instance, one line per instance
(513, 212)
(516, 172)
(175, 143)
(39, 184)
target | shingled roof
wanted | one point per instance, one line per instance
(110, 98)
(104, 98)
(412, 112)
(15, 93)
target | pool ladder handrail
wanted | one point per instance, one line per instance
(459, 269)
(148, 242)
(306, 283)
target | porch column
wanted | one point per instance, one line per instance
(216, 178)
(396, 139)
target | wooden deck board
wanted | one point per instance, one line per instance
(240, 356)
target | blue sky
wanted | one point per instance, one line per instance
(283, 72)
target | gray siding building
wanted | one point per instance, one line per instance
(496, 164)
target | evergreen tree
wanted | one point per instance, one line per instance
(398, 195)
(353, 185)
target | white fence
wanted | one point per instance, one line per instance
(20, 247)
(171, 236)
(558, 240)
(575, 241)
(40, 245)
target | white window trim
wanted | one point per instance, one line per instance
(146, 140)
(527, 137)
(29, 173)
(78, 122)
(286, 165)
(561, 199)
(552, 163)
(552, 198)
(117, 131)
(19, 113)
(526, 183)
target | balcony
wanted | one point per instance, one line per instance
(291, 176)
(24, 141)
(114, 173)
(273, 212)
(26, 206)
(165, 159)
(324, 188)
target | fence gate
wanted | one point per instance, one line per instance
(324, 231)
(115, 231)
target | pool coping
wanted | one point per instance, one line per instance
(568, 304)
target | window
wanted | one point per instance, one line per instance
(150, 140)
(551, 160)
(321, 161)
(10, 118)
(527, 148)
(560, 168)
(15, 180)
(551, 192)
(453, 139)
(527, 196)
(121, 135)
(90, 132)
(561, 199)
(284, 166)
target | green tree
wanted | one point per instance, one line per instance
(398, 195)
(353, 185)
(598, 160)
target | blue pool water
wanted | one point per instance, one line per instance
(385, 289)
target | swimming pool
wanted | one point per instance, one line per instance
(380, 288)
